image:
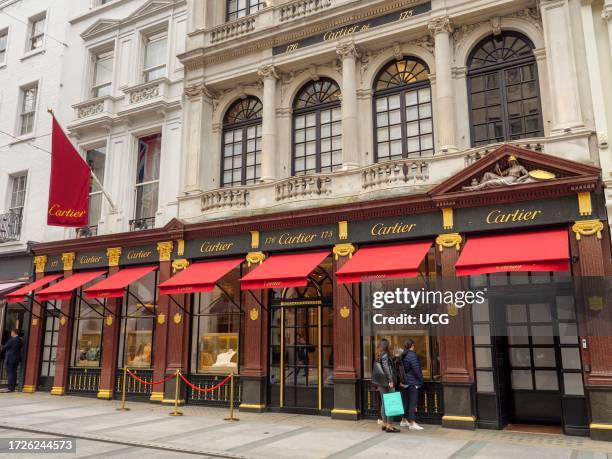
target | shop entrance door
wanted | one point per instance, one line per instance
(49, 348)
(14, 319)
(301, 355)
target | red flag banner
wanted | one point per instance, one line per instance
(70, 180)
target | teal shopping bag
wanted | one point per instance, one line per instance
(393, 404)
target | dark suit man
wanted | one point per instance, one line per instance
(12, 358)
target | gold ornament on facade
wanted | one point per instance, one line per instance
(588, 228)
(109, 320)
(161, 318)
(63, 320)
(447, 218)
(177, 318)
(34, 322)
(180, 247)
(446, 241)
(114, 255)
(40, 262)
(343, 230)
(345, 312)
(452, 309)
(165, 250)
(255, 258)
(254, 239)
(344, 250)
(254, 314)
(179, 265)
(68, 260)
(514, 174)
(585, 206)
(595, 303)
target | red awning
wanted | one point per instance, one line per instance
(20, 294)
(199, 277)
(383, 262)
(281, 271)
(63, 289)
(534, 251)
(114, 286)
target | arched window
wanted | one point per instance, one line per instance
(242, 143)
(239, 8)
(504, 91)
(402, 101)
(317, 128)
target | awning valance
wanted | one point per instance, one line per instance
(383, 262)
(19, 295)
(114, 285)
(281, 271)
(546, 250)
(63, 289)
(199, 277)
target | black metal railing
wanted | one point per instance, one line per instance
(134, 388)
(84, 381)
(87, 231)
(10, 226)
(219, 396)
(142, 224)
(429, 408)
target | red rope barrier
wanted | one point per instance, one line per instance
(210, 389)
(154, 383)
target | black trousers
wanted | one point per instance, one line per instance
(410, 397)
(11, 374)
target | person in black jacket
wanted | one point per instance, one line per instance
(413, 380)
(12, 358)
(383, 376)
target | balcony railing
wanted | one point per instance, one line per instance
(87, 231)
(301, 8)
(10, 226)
(140, 224)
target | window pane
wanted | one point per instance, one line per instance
(539, 312)
(573, 383)
(483, 357)
(88, 343)
(521, 379)
(571, 358)
(484, 381)
(517, 313)
(146, 200)
(520, 357)
(544, 357)
(155, 52)
(149, 154)
(546, 380)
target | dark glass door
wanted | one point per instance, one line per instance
(14, 319)
(49, 348)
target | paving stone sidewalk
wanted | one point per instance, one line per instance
(147, 430)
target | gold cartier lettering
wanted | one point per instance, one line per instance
(215, 247)
(301, 238)
(380, 229)
(519, 215)
(88, 259)
(56, 211)
(343, 32)
(138, 254)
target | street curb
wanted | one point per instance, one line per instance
(93, 437)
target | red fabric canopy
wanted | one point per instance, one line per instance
(20, 294)
(199, 277)
(281, 271)
(383, 262)
(534, 251)
(63, 289)
(114, 286)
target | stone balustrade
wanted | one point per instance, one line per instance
(225, 198)
(302, 187)
(301, 8)
(233, 29)
(144, 92)
(394, 173)
(90, 108)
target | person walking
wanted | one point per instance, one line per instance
(12, 358)
(383, 376)
(412, 381)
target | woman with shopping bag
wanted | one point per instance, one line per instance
(383, 376)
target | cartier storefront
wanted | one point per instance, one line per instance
(285, 302)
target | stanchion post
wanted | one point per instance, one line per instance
(123, 383)
(176, 411)
(231, 415)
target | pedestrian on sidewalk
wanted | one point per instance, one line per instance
(12, 358)
(412, 381)
(383, 376)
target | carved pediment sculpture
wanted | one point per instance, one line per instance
(514, 174)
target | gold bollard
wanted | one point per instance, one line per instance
(231, 415)
(176, 411)
(122, 407)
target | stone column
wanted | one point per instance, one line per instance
(162, 325)
(37, 333)
(562, 74)
(269, 157)
(347, 341)
(441, 29)
(350, 123)
(607, 16)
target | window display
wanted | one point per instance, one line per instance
(88, 339)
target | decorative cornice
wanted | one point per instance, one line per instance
(446, 241)
(268, 71)
(588, 228)
(441, 24)
(40, 261)
(165, 250)
(198, 90)
(344, 250)
(114, 255)
(68, 260)
(347, 50)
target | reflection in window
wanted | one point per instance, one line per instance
(138, 323)
(242, 143)
(147, 176)
(317, 128)
(404, 120)
(88, 325)
(103, 74)
(96, 159)
(504, 91)
(217, 322)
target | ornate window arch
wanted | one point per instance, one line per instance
(235, 9)
(504, 90)
(241, 155)
(317, 128)
(403, 124)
